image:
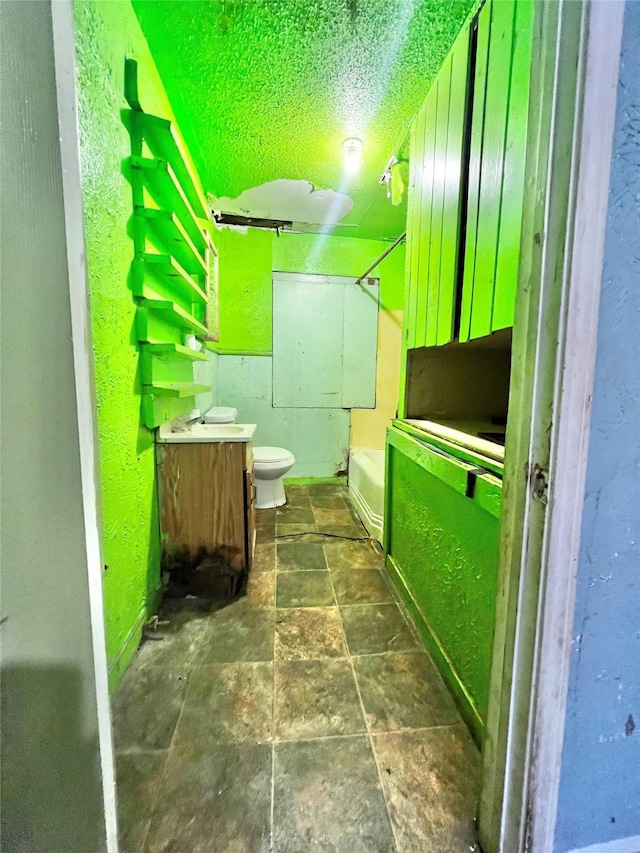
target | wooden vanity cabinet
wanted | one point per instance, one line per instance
(207, 509)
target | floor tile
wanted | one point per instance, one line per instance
(304, 589)
(430, 780)
(325, 517)
(146, 706)
(327, 489)
(214, 799)
(138, 776)
(328, 501)
(316, 698)
(238, 632)
(265, 517)
(374, 628)
(309, 633)
(265, 534)
(352, 555)
(366, 586)
(297, 496)
(298, 556)
(294, 515)
(264, 558)
(261, 589)
(403, 690)
(288, 529)
(227, 702)
(348, 531)
(174, 641)
(328, 798)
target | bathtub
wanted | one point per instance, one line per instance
(366, 487)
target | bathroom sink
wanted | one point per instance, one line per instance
(207, 432)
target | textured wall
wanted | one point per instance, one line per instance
(51, 781)
(600, 782)
(106, 33)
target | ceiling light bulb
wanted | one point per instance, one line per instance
(352, 148)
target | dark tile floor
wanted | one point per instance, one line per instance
(303, 716)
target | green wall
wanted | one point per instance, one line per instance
(247, 261)
(106, 33)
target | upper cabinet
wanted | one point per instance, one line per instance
(435, 201)
(496, 167)
(467, 182)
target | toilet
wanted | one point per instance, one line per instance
(270, 463)
(270, 466)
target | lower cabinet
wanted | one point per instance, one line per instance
(207, 515)
(441, 537)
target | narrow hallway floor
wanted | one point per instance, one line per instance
(302, 716)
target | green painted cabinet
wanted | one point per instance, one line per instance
(435, 196)
(496, 167)
(442, 529)
(466, 182)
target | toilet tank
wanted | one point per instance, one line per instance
(220, 415)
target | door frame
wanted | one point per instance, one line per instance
(63, 32)
(574, 77)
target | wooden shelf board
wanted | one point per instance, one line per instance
(161, 139)
(176, 349)
(172, 234)
(175, 389)
(164, 186)
(168, 267)
(185, 320)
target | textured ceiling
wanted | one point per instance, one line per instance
(268, 89)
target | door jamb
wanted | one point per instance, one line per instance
(65, 73)
(574, 78)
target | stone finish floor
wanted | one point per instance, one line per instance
(302, 716)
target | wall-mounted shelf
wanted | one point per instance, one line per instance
(176, 389)
(166, 231)
(159, 136)
(177, 315)
(168, 267)
(175, 262)
(164, 187)
(175, 349)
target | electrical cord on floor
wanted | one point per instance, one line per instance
(376, 544)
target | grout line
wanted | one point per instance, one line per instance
(273, 724)
(368, 731)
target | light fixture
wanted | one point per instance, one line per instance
(352, 148)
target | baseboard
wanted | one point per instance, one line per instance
(121, 661)
(621, 845)
(463, 700)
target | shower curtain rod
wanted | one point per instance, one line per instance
(382, 257)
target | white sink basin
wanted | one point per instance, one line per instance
(207, 432)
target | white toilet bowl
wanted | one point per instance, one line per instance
(270, 466)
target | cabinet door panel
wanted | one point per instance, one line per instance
(475, 161)
(492, 166)
(506, 279)
(452, 190)
(425, 216)
(443, 89)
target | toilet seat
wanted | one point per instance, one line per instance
(271, 454)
